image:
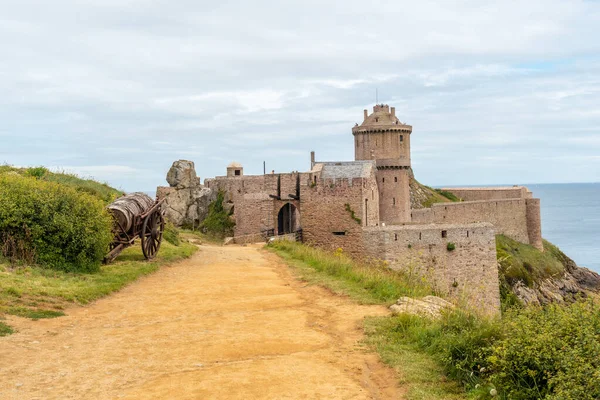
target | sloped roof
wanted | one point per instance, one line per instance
(234, 165)
(347, 169)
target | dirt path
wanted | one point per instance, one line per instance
(230, 323)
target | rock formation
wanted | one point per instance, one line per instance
(187, 200)
(574, 283)
(428, 306)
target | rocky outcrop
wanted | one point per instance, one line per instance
(187, 200)
(574, 283)
(183, 175)
(428, 306)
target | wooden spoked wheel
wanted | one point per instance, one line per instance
(152, 233)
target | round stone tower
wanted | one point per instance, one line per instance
(383, 138)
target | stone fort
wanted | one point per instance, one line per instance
(364, 207)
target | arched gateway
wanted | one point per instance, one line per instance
(288, 219)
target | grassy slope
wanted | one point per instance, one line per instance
(519, 261)
(419, 371)
(100, 190)
(424, 196)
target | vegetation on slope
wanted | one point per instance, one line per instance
(218, 222)
(422, 196)
(100, 190)
(550, 352)
(522, 262)
(370, 284)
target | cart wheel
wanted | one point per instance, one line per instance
(152, 232)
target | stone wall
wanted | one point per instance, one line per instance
(468, 273)
(513, 217)
(326, 221)
(490, 193)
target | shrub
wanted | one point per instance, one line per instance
(172, 234)
(218, 222)
(450, 246)
(52, 224)
(549, 353)
(36, 172)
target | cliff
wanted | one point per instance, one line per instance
(536, 277)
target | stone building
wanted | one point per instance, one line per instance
(363, 207)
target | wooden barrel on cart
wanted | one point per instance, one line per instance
(126, 208)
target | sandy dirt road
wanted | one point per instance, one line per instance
(229, 323)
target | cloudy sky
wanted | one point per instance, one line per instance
(497, 91)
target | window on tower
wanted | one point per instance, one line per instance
(402, 138)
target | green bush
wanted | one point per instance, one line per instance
(451, 246)
(549, 353)
(36, 172)
(172, 234)
(218, 221)
(52, 224)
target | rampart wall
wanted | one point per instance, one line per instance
(468, 273)
(516, 218)
(490, 193)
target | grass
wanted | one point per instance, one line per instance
(5, 330)
(449, 195)
(100, 190)
(422, 373)
(419, 370)
(367, 284)
(519, 261)
(34, 314)
(36, 292)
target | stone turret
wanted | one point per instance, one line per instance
(383, 138)
(235, 170)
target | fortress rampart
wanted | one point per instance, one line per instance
(511, 217)
(490, 193)
(468, 273)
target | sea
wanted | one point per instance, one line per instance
(570, 219)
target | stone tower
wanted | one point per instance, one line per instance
(383, 138)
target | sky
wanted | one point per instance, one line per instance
(497, 92)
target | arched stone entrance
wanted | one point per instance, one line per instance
(288, 219)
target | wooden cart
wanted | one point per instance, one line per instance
(136, 216)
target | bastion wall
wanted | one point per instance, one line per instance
(490, 193)
(516, 218)
(468, 273)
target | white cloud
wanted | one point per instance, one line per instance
(126, 87)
